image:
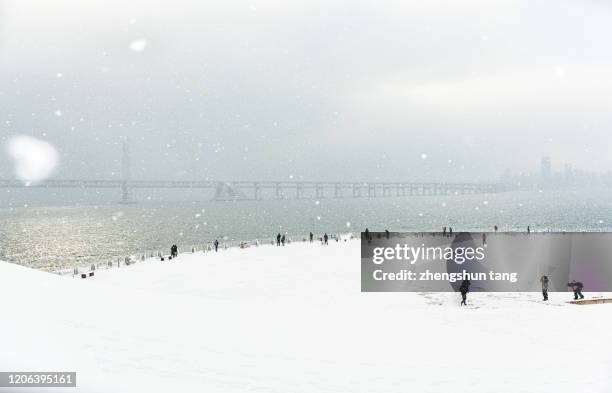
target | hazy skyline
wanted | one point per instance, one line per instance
(389, 90)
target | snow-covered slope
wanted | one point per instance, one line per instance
(292, 319)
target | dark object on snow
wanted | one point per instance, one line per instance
(311, 236)
(283, 240)
(464, 289)
(577, 288)
(83, 275)
(325, 239)
(544, 281)
(216, 245)
(278, 239)
(91, 274)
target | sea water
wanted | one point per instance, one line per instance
(81, 232)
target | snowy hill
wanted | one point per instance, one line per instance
(292, 319)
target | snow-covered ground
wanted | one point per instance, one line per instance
(292, 319)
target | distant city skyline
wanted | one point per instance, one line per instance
(547, 176)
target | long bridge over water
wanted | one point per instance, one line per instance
(257, 190)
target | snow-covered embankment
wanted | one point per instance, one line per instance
(291, 319)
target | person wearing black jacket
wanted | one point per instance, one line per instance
(577, 288)
(544, 281)
(278, 239)
(464, 289)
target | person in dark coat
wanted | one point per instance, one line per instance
(278, 239)
(544, 281)
(577, 288)
(311, 237)
(216, 245)
(464, 289)
(325, 238)
(283, 240)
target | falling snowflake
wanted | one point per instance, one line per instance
(34, 159)
(138, 45)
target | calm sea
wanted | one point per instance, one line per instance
(53, 237)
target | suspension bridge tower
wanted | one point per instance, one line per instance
(126, 174)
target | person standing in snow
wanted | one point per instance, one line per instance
(278, 239)
(528, 229)
(311, 237)
(325, 238)
(464, 289)
(495, 227)
(577, 288)
(216, 245)
(283, 240)
(450, 231)
(544, 281)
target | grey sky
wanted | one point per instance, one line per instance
(312, 89)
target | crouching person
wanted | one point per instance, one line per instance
(577, 288)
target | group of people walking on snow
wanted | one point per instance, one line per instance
(281, 239)
(576, 287)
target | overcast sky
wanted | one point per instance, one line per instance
(351, 90)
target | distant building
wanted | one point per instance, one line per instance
(546, 169)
